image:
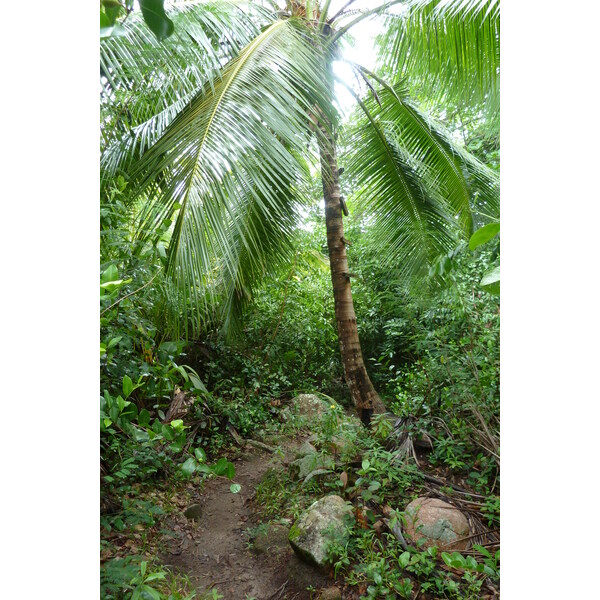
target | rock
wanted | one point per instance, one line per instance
(309, 405)
(331, 593)
(302, 467)
(340, 445)
(306, 448)
(327, 520)
(317, 475)
(271, 539)
(194, 512)
(438, 523)
(378, 527)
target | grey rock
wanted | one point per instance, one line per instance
(302, 467)
(437, 523)
(306, 448)
(271, 539)
(317, 474)
(326, 521)
(309, 405)
(331, 593)
(194, 512)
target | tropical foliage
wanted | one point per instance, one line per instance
(221, 143)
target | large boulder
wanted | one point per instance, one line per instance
(325, 522)
(310, 405)
(302, 467)
(306, 448)
(437, 523)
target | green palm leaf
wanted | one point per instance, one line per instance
(145, 83)
(449, 48)
(231, 159)
(416, 185)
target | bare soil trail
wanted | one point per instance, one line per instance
(213, 550)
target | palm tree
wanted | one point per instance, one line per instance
(213, 127)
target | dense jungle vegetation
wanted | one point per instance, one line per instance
(234, 190)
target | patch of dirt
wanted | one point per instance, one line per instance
(214, 553)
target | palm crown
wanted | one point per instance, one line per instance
(213, 126)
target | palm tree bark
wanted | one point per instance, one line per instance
(365, 398)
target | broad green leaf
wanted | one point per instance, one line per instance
(183, 372)
(121, 402)
(109, 286)
(105, 20)
(235, 488)
(189, 466)
(114, 412)
(144, 418)
(168, 433)
(365, 464)
(483, 235)
(150, 591)
(127, 386)
(230, 471)
(176, 447)
(156, 18)
(177, 424)
(157, 575)
(140, 435)
(169, 347)
(482, 550)
(490, 281)
(220, 467)
(197, 383)
(404, 559)
(202, 468)
(200, 454)
(114, 341)
(109, 274)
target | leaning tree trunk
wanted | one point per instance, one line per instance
(363, 393)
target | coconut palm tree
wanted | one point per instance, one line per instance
(213, 126)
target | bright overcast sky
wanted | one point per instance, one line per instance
(362, 51)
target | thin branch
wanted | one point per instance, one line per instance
(344, 29)
(339, 12)
(130, 294)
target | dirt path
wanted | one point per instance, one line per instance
(214, 551)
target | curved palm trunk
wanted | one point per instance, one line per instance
(363, 393)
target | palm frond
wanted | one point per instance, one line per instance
(449, 48)
(145, 83)
(417, 186)
(229, 160)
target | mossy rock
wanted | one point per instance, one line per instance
(272, 538)
(327, 521)
(302, 467)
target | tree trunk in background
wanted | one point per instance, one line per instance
(363, 393)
